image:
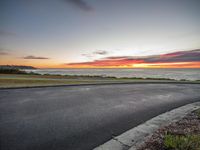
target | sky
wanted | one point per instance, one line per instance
(100, 33)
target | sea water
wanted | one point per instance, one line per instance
(178, 74)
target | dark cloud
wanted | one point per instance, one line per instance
(100, 52)
(4, 52)
(7, 33)
(34, 57)
(88, 55)
(97, 52)
(180, 56)
(81, 4)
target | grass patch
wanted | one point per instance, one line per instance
(31, 80)
(181, 142)
(198, 112)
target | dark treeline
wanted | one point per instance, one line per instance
(16, 67)
(11, 71)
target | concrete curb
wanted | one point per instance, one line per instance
(134, 137)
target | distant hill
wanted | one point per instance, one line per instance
(16, 67)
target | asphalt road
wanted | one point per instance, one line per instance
(82, 117)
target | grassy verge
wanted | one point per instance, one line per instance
(17, 78)
(24, 80)
(28, 80)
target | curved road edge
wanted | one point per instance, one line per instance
(103, 83)
(134, 137)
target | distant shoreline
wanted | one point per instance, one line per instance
(16, 67)
(177, 74)
(21, 71)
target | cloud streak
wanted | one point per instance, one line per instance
(7, 33)
(81, 4)
(4, 52)
(96, 53)
(100, 52)
(179, 58)
(34, 57)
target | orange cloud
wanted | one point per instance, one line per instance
(180, 59)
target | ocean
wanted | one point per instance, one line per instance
(178, 74)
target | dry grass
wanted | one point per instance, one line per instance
(28, 80)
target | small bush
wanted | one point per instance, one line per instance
(177, 142)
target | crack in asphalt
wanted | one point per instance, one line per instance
(125, 145)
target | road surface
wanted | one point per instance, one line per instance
(82, 117)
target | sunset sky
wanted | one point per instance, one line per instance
(100, 33)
